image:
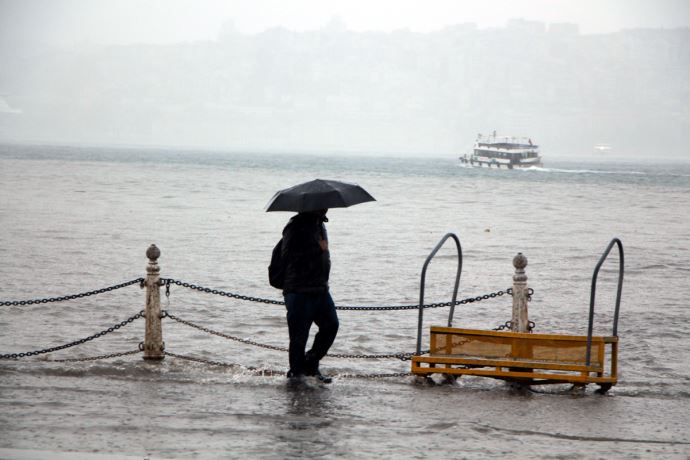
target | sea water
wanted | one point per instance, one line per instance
(80, 219)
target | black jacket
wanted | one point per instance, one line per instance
(307, 266)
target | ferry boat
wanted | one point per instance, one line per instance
(503, 152)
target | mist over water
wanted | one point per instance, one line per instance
(134, 122)
(339, 90)
(77, 219)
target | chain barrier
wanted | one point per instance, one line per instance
(401, 356)
(69, 297)
(430, 305)
(168, 281)
(375, 376)
(76, 342)
(165, 313)
(503, 327)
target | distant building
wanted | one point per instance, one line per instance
(525, 26)
(563, 30)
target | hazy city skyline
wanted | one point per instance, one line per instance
(69, 22)
(570, 74)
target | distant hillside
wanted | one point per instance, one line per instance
(340, 90)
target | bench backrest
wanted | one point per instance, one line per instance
(515, 345)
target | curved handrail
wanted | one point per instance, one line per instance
(421, 288)
(621, 264)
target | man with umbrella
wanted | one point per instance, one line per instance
(306, 267)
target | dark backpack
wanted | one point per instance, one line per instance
(276, 270)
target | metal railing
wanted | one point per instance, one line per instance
(621, 265)
(423, 282)
(153, 346)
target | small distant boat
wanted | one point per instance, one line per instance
(602, 148)
(503, 152)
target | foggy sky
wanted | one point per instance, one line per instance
(172, 21)
(380, 76)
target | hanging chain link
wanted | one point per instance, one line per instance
(70, 297)
(508, 325)
(430, 305)
(165, 313)
(168, 281)
(504, 327)
(401, 356)
(76, 342)
(375, 376)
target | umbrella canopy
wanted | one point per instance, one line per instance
(318, 194)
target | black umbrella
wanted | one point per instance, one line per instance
(318, 194)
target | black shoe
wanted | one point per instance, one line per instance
(295, 375)
(322, 378)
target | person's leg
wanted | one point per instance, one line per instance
(326, 319)
(299, 323)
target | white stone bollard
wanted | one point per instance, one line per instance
(520, 319)
(153, 339)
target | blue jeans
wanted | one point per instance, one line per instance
(303, 309)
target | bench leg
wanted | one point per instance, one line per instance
(578, 389)
(424, 380)
(603, 388)
(518, 387)
(450, 379)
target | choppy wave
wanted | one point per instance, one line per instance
(583, 171)
(655, 267)
(220, 238)
(606, 172)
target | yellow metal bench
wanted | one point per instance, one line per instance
(522, 356)
(519, 356)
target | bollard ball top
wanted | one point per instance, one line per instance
(153, 253)
(519, 261)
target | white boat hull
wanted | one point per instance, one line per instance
(503, 153)
(480, 162)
